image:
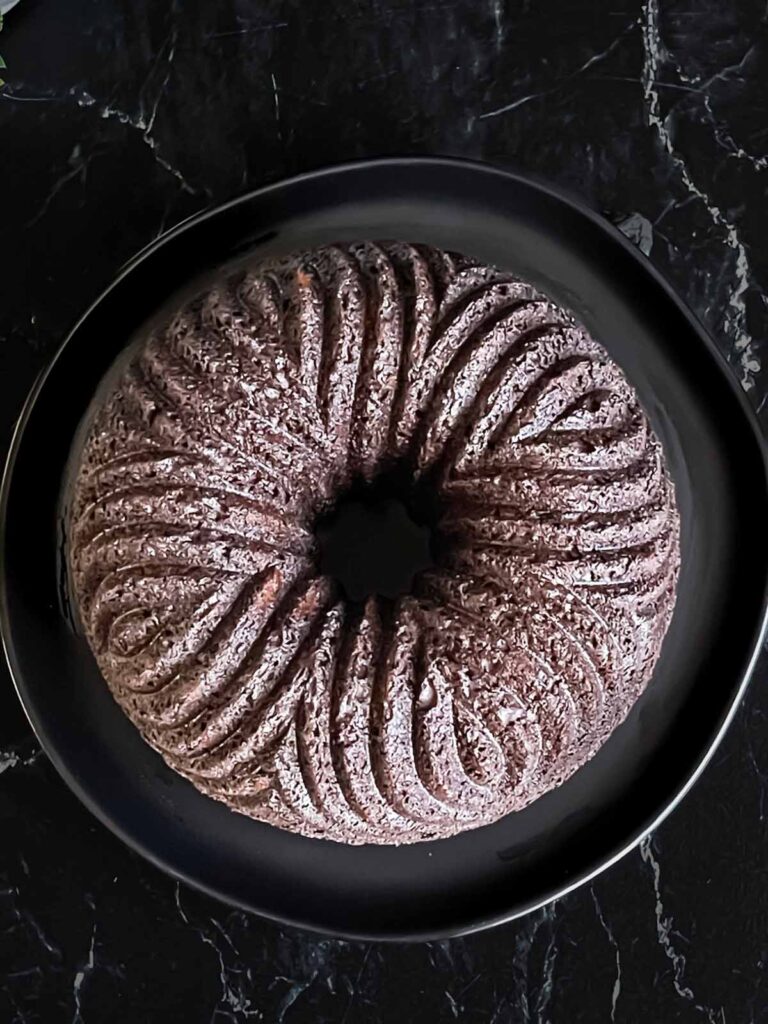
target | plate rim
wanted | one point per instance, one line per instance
(576, 205)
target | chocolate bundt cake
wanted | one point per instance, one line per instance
(235, 426)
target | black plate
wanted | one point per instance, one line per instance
(494, 873)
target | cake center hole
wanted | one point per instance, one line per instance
(374, 543)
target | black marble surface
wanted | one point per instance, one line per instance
(120, 118)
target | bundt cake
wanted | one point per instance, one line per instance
(240, 420)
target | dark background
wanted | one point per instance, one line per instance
(121, 118)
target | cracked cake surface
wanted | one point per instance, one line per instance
(240, 419)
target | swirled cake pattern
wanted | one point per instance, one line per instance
(239, 419)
